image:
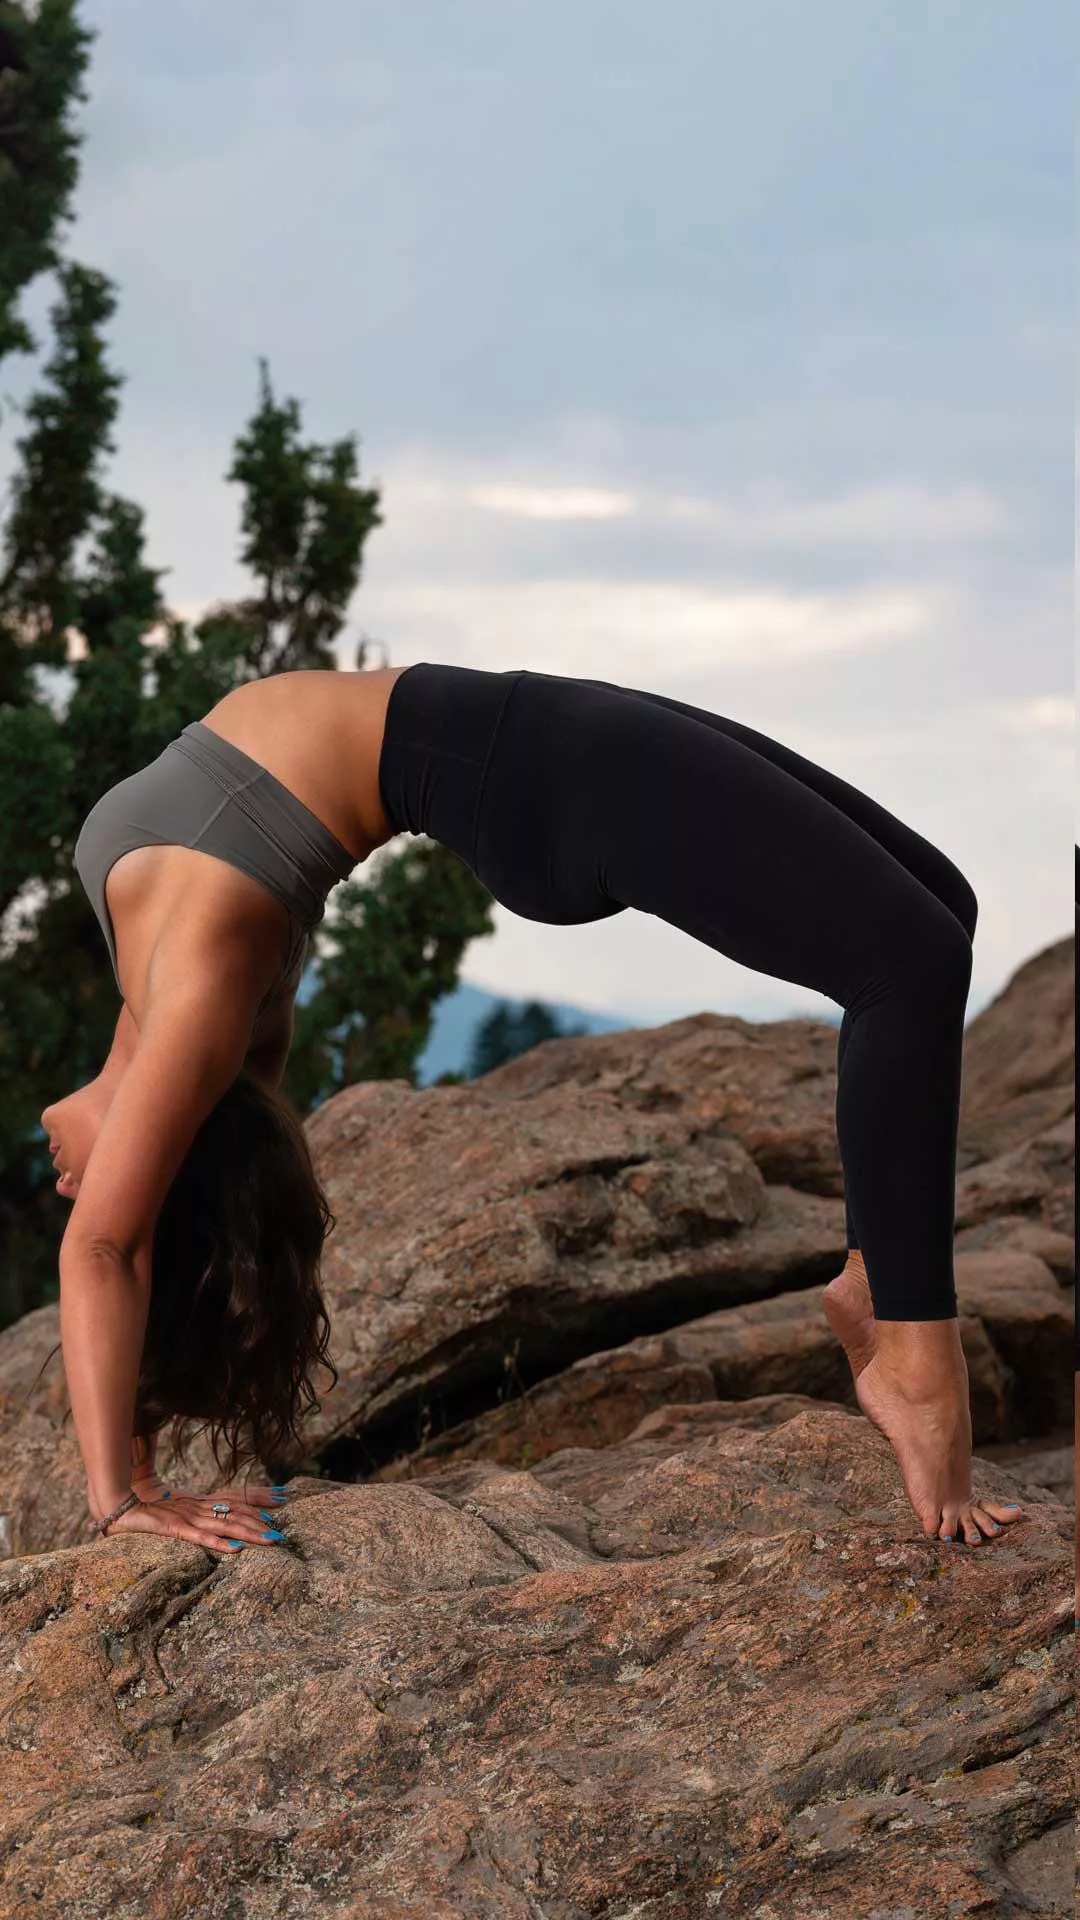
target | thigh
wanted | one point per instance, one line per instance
(925, 862)
(681, 818)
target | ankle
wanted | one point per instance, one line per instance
(923, 1354)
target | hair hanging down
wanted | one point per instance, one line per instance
(237, 1321)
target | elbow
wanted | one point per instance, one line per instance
(97, 1254)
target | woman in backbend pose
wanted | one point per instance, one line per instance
(571, 799)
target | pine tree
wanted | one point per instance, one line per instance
(139, 674)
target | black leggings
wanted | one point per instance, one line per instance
(572, 799)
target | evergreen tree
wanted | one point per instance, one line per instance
(140, 674)
(506, 1032)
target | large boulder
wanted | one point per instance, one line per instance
(1014, 1319)
(716, 1668)
(613, 1221)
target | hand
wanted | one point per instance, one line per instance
(184, 1516)
(149, 1486)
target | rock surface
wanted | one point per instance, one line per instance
(628, 1617)
(712, 1669)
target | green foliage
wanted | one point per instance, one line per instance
(305, 521)
(507, 1032)
(44, 53)
(72, 563)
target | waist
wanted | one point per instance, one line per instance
(442, 722)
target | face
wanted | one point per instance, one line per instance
(72, 1126)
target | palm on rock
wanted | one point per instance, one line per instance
(183, 1516)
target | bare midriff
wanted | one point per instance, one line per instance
(320, 733)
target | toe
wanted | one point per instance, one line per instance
(1004, 1513)
(985, 1520)
(969, 1529)
(949, 1527)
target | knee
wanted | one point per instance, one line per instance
(963, 902)
(941, 956)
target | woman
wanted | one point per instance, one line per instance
(571, 799)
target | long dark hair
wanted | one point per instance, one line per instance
(237, 1321)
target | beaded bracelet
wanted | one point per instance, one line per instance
(131, 1501)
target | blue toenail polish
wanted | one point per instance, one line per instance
(947, 1536)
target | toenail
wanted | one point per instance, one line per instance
(947, 1536)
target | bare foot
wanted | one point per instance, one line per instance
(915, 1390)
(849, 1311)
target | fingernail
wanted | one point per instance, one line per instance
(273, 1535)
(278, 1489)
(234, 1543)
(267, 1516)
(1011, 1506)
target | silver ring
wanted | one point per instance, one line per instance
(220, 1508)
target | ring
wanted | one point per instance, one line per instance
(220, 1508)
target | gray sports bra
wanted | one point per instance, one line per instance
(204, 792)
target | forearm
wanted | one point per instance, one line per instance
(103, 1312)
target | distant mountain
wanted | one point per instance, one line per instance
(460, 1013)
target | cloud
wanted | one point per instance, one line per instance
(1041, 714)
(576, 625)
(738, 374)
(552, 503)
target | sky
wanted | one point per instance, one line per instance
(722, 349)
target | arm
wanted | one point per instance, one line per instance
(188, 1054)
(103, 1312)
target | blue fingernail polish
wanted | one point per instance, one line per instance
(273, 1535)
(267, 1516)
(277, 1489)
(234, 1543)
